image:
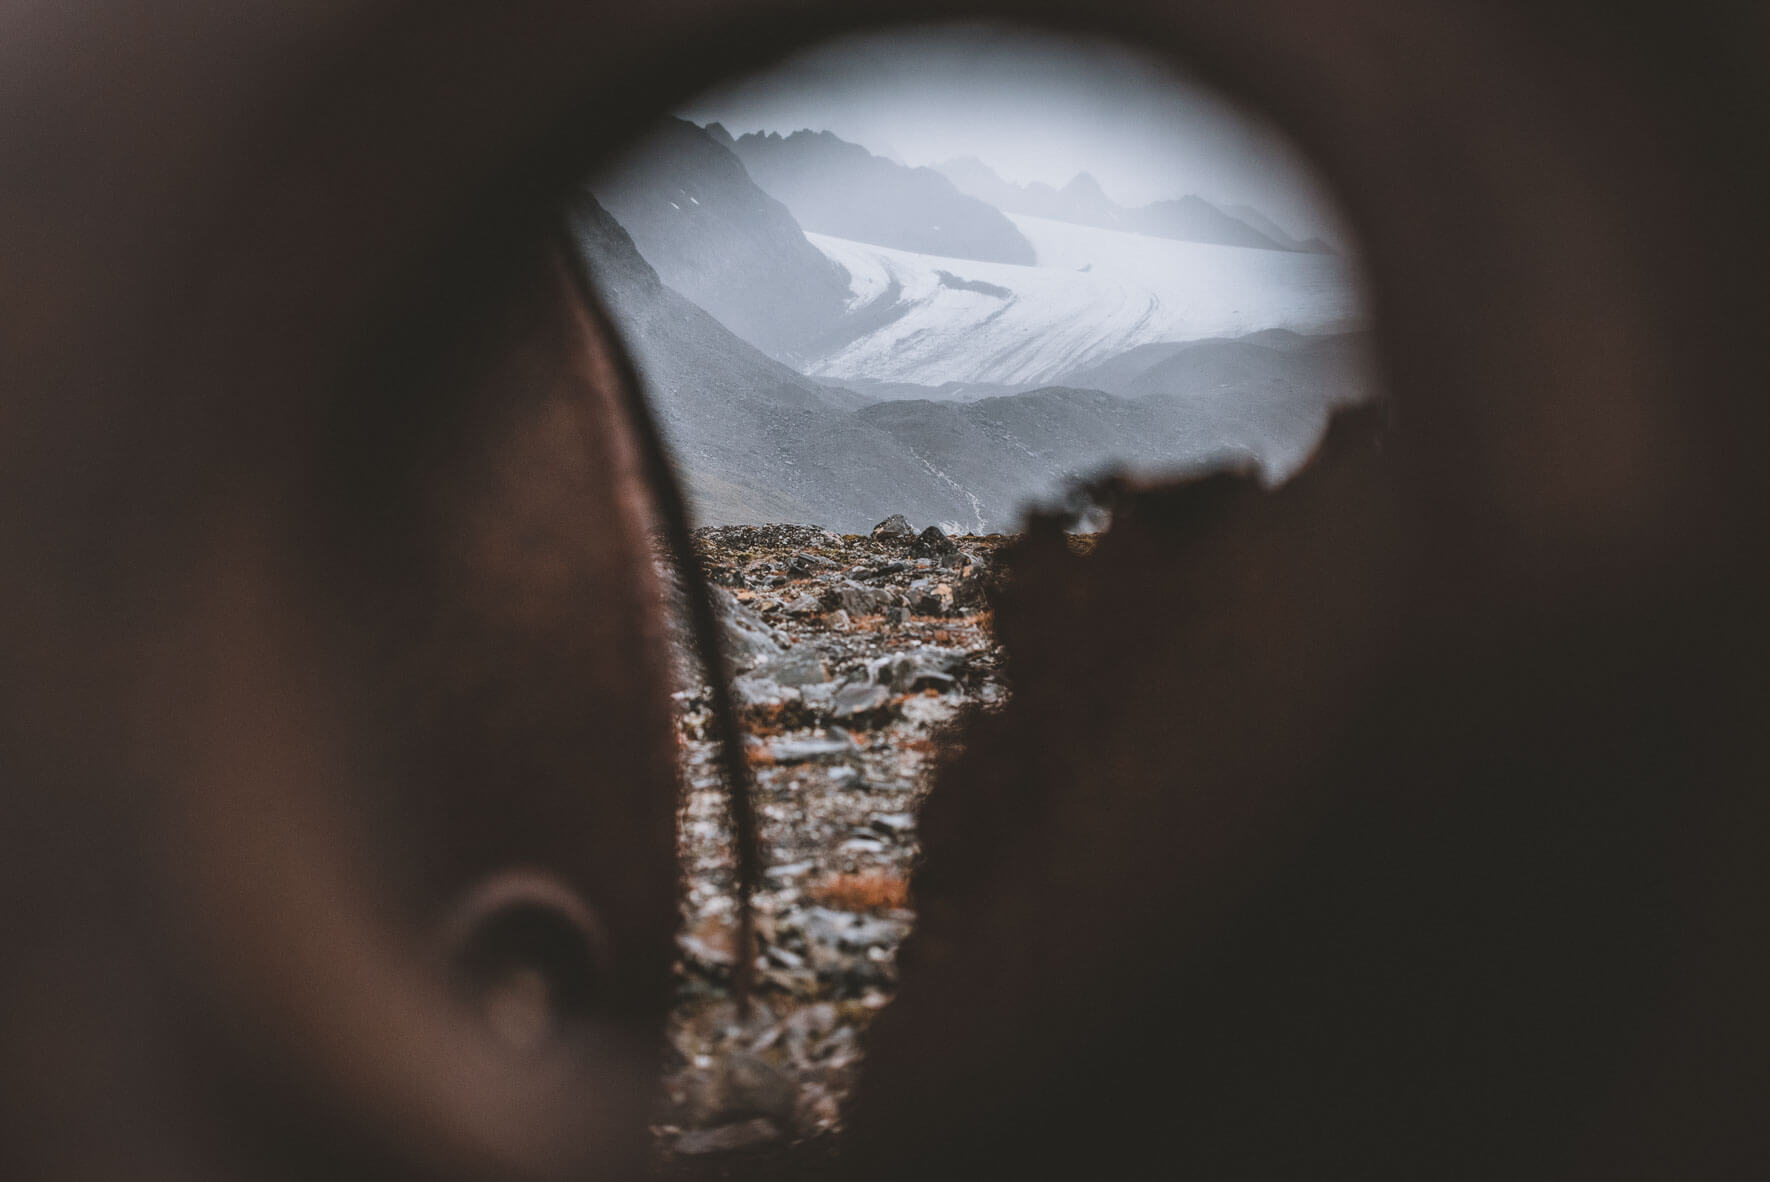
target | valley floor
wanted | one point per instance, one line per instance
(856, 656)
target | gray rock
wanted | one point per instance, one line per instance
(970, 592)
(857, 600)
(895, 526)
(926, 667)
(802, 565)
(747, 1134)
(818, 696)
(927, 604)
(932, 543)
(834, 746)
(848, 931)
(858, 697)
(894, 824)
(923, 711)
(796, 667)
(747, 1085)
(747, 637)
(757, 691)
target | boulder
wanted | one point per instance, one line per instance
(932, 543)
(857, 600)
(921, 668)
(804, 605)
(895, 526)
(796, 667)
(859, 697)
(836, 745)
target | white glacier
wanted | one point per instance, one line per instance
(1093, 294)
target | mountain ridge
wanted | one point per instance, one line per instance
(839, 188)
(715, 236)
(1084, 202)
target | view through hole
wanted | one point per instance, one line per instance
(885, 298)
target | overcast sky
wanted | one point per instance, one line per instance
(1033, 106)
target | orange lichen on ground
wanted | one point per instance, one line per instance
(873, 890)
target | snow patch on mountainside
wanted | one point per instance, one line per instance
(1093, 294)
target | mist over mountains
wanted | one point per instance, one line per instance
(717, 238)
(808, 376)
(1083, 202)
(837, 188)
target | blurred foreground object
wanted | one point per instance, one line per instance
(1407, 823)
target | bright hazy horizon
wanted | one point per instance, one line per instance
(1034, 106)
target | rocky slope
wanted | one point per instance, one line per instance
(718, 239)
(856, 657)
(734, 417)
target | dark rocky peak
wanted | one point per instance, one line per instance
(713, 235)
(717, 133)
(1084, 185)
(895, 526)
(1193, 219)
(620, 272)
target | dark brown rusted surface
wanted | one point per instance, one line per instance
(1426, 798)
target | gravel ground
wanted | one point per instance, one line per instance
(855, 658)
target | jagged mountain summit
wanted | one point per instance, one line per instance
(1259, 221)
(840, 189)
(1083, 202)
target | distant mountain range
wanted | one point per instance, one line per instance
(837, 188)
(1054, 370)
(1083, 202)
(759, 442)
